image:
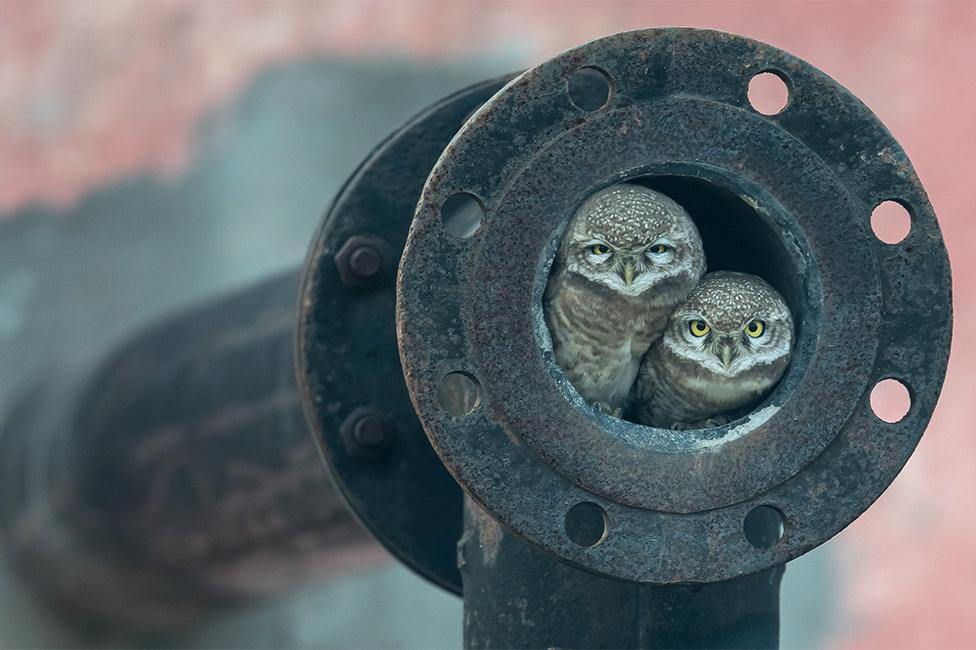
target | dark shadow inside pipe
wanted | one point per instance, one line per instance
(735, 236)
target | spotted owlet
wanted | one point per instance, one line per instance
(628, 256)
(723, 350)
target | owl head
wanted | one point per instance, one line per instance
(631, 239)
(732, 325)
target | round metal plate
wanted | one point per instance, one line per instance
(348, 363)
(676, 502)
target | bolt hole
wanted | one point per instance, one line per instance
(891, 222)
(459, 393)
(764, 527)
(461, 214)
(890, 400)
(586, 524)
(589, 89)
(768, 93)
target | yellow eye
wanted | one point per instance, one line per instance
(658, 249)
(698, 328)
(755, 328)
(599, 249)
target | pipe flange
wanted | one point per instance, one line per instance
(348, 368)
(646, 504)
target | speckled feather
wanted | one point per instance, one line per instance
(601, 326)
(683, 385)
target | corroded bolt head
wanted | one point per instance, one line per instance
(365, 261)
(362, 260)
(368, 433)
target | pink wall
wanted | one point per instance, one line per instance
(91, 92)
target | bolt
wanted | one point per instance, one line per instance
(367, 433)
(365, 261)
(361, 260)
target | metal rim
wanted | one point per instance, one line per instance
(675, 506)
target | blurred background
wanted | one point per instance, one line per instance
(154, 154)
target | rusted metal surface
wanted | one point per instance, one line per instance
(792, 196)
(178, 477)
(518, 596)
(347, 349)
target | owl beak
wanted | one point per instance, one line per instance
(629, 269)
(726, 352)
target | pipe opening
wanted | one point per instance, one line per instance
(741, 232)
(736, 235)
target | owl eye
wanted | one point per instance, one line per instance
(599, 250)
(698, 328)
(755, 328)
(658, 249)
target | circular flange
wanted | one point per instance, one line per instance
(675, 504)
(355, 400)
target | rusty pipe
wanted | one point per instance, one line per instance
(178, 476)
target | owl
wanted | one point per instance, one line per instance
(723, 350)
(628, 257)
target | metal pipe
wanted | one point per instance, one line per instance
(178, 476)
(722, 507)
(517, 596)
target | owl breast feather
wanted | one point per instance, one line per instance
(599, 337)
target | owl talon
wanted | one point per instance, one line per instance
(603, 407)
(715, 421)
